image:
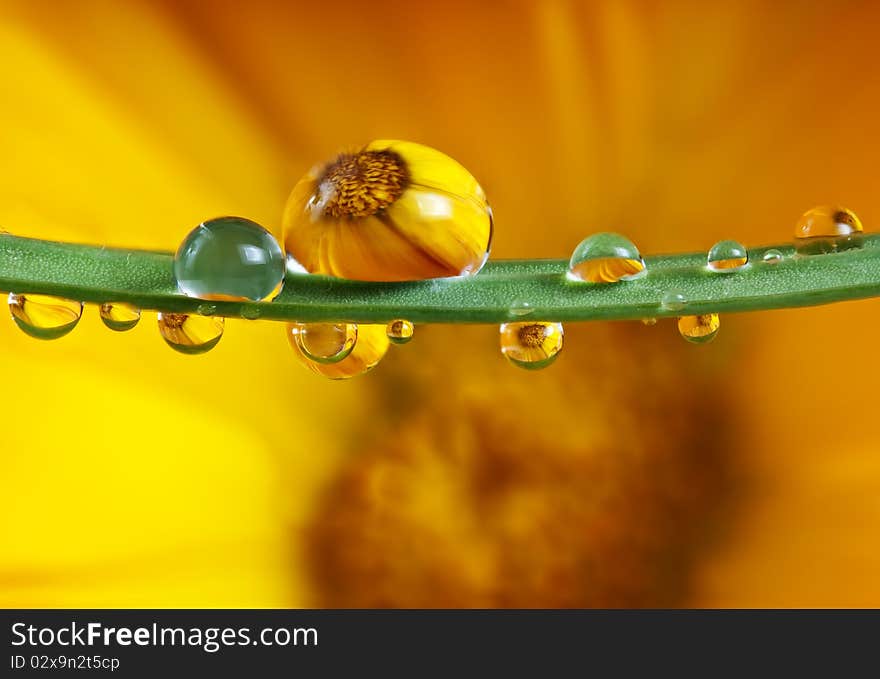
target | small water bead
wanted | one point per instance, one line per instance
(673, 301)
(772, 257)
(43, 316)
(827, 229)
(605, 258)
(229, 258)
(251, 313)
(207, 309)
(699, 329)
(727, 255)
(323, 342)
(371, 345)
(191, 334)
(400, 331)
(118, 316)
(531, 345)
(521, 308)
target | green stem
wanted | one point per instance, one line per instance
(145, 280)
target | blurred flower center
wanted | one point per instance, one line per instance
(361, 184)
(533, 335)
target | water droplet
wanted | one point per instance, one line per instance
(649, 321)
(43, 316)
(531, 345)
(191, 334)
(324, 342)
(371, 345)
(727, 255)
(119, 316)
(827, 229)
(673, 301)
(207, 309)
(699, 329)
(605, 258)
(229, 258)
(251, 313)
(520, 308)
(772, 257)
(400, 331)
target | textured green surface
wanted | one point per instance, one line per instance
(146, 280)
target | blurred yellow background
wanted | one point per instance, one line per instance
(636, 471)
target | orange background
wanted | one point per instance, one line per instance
(635, 471)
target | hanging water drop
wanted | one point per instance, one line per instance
(531, 345)
(118, 316)
(699, 329)
(400, 331)
(605, 258)
(229, 258)
(772, 256)
(191, 334)
(371, 345)
(727, 255)
(827, 229)
(673, 301)
(43, 316)
(323, 342)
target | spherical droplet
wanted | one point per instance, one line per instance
(229, 258)
(673, 301)
(699, 329)
(605, 258)
(521, 308)
(323, 342)
(727, 255)
(400, 331)
(119, 316)
(393, 211)
(371, 345)
(43, 316)
(772, 257)
(531, 345)
(191, 334)
(827, 229)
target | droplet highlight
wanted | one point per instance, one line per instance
(727, 255)
(827, 229)
(191, 334)
(699, 329)
(605, 258)
(673, 301)
(229, 258)
(772, 257)
(400, 331)
(531, 345)
(323, 342)
(118, 316)
(43, 316)
(371, 346)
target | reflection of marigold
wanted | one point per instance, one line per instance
(393, 211)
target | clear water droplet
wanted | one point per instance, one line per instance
(400, 331)
(673, 301)
(118, 316)
(699, 329)
(229, 258)
(251, 313)
(371, 345)
(532, 345)
(605, 258)
(727, 255)
(827, 229)
(189, 333)
(772, 257)
(207, 309)
(43, 316)
(323, 342)
(521, 308)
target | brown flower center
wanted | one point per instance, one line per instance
(532, 336)
(361, 184)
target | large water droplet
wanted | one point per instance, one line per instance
(673, 301)
(605, 258)
(371, 345)
(827, 229)
(532, 345)
(43, 316)
(119, 316)
(323, 342)
(727, 255)
(400, 331)
(191, 334)
(699, 329)
(229, 258)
